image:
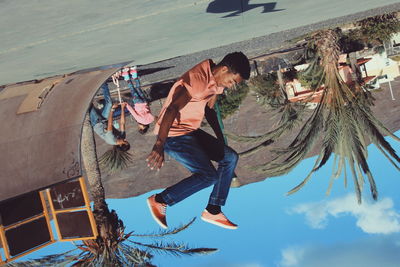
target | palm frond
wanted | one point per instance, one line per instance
(175, 248)
(115, 160)
(308, 177)
(135, 256)
(256, 148)
(163, 233)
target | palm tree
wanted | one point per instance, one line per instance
(343, 119)
(112, 247)
(231, 100)
(380, 28)
(270, 91)
(313, 75)
(124, 252)
(267, 89)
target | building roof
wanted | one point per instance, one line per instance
(361, 61)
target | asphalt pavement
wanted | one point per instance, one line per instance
(42, 38)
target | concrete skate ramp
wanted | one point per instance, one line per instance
(40, 131)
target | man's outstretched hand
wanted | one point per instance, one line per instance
(156, 157)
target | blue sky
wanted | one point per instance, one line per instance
(304, 229)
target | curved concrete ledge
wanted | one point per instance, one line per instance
(41, 130)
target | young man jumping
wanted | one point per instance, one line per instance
(178, 134)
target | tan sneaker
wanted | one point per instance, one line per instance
(218, 219)
(158, 211)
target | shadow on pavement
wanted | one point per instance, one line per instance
(148, 71)
(160, 90)
(238, 6)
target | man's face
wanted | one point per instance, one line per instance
(228, 79)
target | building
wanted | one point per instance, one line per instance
(374, 69)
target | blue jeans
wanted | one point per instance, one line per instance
(190, 151)
(95, 115)
(136, 92)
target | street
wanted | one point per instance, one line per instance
(45, 38)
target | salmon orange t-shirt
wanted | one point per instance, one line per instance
(201, 85)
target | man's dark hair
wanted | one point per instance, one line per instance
(124, 147)
(144, 130)
(237, 62)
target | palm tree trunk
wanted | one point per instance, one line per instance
(105, 219)
(89, 157)
(282, 84)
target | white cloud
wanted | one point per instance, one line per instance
(292, 256)
(372, 252)
(374, 218)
